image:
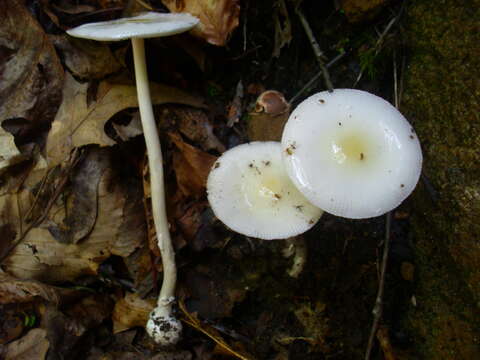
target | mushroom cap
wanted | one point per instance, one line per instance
(145, 25)
(351, 153)
(250, 192)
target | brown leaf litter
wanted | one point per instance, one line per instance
(31, 78)
(218, 18)
(79, 123)
(41, 256)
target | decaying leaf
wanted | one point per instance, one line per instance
(34, 345)
(192, 167)
(9, 154)
(235, 109)
(31, 75)
(132, 129)
(86, 59)
(78, 123)
(212, 296)
(63, 332)
(92, 310)
(19, 291)
(192, 123)
(14, 321)
(213, 334)
(267, 119)
(131, 311)
(189, 219)
(81, 204)
(218, 18)
(40, 256)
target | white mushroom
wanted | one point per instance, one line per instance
(351, 153)
(162, 325)
(250, 192)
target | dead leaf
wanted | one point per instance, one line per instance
(212, 296)
(134, 128)
(40, 256)
(9, 154)
(12, 324)
(63, 332)
(86, 59)
(218, 18)
(190, 219)
(192, 123)
(131, 311)
(266, 121)
(383, 337)
(31, 75)
(360, 11)
(20, 291)
(34, 345)
(235, 109)
(193, 321)
(315, 323)
(192, 167)
(78, 123)
(81, 204)
(92, 310)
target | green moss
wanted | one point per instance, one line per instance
(441, 99)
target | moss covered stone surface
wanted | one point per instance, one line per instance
(441, 98)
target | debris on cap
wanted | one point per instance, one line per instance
(250, 192)
(351, 153)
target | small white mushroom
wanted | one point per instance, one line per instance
(351, 153)
(250, 192)
(162, 325)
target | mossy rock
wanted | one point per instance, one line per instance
(441, 98)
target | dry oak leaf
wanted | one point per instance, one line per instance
(41, 257)
(131, 311)
(14, 290)
(192, 167)
(218, 18)
(33, 346)
(31, 75)
(9, 153)
(86, 59)
(78, 123)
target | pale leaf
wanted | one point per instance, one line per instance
(78, 123)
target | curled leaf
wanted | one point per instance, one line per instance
(218, 18)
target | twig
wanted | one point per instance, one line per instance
(245, 18)
(378, 308)
(73, 162)
(316, 48)
(378, 45)
(315, 78)
(37, 195)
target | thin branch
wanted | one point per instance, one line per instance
(378, 308)
(314, 79)
(378, 44)
(75, 158)
(316, 48)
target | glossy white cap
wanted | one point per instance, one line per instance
(250, 192)
(145, 25)
(351, 153)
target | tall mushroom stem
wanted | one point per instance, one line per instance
(162, 326)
